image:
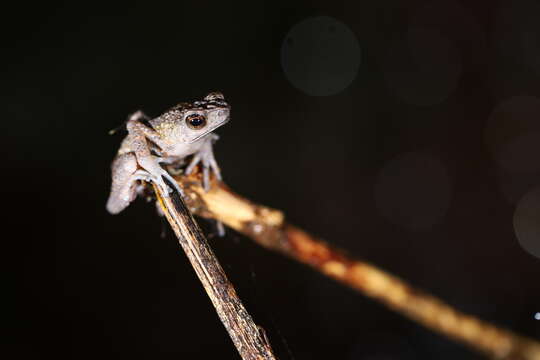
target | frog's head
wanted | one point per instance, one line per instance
(197, 119)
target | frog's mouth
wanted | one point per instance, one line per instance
(210, 131)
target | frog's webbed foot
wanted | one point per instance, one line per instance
(206, 156)
(147, 177)
(159, 178)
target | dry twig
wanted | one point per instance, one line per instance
(248, 338)
(268, 228)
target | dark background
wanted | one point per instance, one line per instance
(416, 162)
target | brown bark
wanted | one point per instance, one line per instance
(248, 338)
(268, 228)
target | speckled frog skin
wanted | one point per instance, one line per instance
(184, 130)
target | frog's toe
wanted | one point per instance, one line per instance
(220, 229)
(206, 178)
(173, 183)
(215, 169)
(196, 159)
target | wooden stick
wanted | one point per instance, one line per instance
(249, 339)
(268, 228)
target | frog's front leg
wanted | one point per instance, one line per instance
(139, 134)
(206, 156)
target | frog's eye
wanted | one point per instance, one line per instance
(196, 121)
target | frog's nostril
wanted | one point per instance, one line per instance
(223, 113)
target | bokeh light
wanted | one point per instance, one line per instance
(320, 56)
(513, 134)
(517, 155)
(514, 186)
(526, 222)
(413, 190)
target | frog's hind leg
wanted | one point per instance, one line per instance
(125, 174)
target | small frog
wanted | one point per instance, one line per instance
(185, 129)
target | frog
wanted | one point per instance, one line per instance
(184, 130)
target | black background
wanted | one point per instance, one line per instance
(83, 284)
